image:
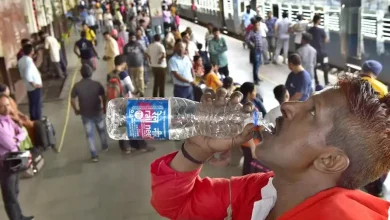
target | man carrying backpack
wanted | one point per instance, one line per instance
(92, 105)
(119, 84)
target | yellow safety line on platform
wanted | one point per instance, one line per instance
(269, 80)
(68, 109)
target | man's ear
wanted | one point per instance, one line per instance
(332, 161)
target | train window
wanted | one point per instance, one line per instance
(242, 6)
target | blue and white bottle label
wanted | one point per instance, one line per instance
(148, 119)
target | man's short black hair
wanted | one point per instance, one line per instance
(27, 49)
(119, 60)
(86, 71)
(24, 41)
(258, 19)
(248, 6)
(280, 93)
(196, 58)
(199, 46)
(299, 17)
(141, 21)
(183, 34)
(106, 33)
(3, 87)
(138, 29)
(83, 34)
(41, 33)
(253, 21)
(295, 59)
(227, 82)
(285, 14)
(131, 34)
(157, 37)
(215, 29)
(316, 18)
(307, 37)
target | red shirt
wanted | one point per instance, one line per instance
(20, 54)
(249, 28)
(186, 196)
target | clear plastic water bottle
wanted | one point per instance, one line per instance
(175, 119)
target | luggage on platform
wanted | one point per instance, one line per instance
(45, 135)
(37, 163)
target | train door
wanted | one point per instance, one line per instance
(275, 10)
(228, 13)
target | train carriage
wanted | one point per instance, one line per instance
(357, 30)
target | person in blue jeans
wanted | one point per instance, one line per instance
(91, 106)
(254, 41)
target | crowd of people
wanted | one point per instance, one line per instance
(131, 54)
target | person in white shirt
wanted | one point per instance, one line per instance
(33, 82)
(170, 42)
(246, 20)
(282, 32)
(156, 56)
(108, 21)
(54, 48)
(99, 16)
(263, 32)
(299, 28)
(282, 95)
(190, 46)
(91, 20)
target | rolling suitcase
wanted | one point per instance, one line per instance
(45, 135)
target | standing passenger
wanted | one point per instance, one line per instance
(308, 55)
(134, 52)
(33, 82)
(282, 31)
(255, 41)
(270, 22)
(217, 51)
(264, 31)
(157, 59)
(318, 42)
(180, 66)
(246, 19)
(11, 135)
(111, 51)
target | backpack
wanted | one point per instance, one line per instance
(114, 86)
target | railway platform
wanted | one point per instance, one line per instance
(118, 186)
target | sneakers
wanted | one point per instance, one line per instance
(95, 159)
